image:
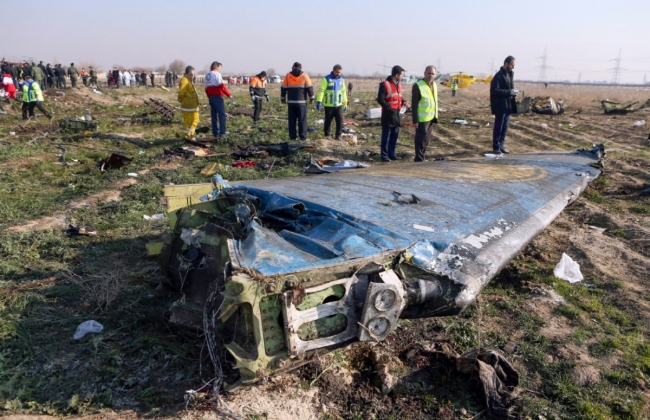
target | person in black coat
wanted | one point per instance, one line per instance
(503, 103)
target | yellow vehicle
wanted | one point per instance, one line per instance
(464, 80)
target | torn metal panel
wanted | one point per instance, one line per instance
(307, 264)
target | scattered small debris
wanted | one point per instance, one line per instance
(87, 327)
(597, 229)
(424, 228)
(132, 174)
(80, 230)
(114, 161)
(460, 122)
(568, 270)
(639, 123)
(244, 164)
(158, 216)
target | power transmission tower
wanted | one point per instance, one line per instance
(617, 69)
(542, 68)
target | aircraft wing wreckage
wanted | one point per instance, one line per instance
(276, 270)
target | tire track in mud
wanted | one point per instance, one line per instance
(534, 144)
(566, 133)
(549, 139)
(457, 140)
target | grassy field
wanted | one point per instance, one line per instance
(582, 350)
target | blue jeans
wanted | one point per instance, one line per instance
(500, 130)
(217, 109)
(388, 142)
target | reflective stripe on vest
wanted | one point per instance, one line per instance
(428, 104)
(393, 94)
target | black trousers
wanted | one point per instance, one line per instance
(28, 108)
(62, 82)
(298, 113)
(335, 113)
(258, 109)
(422, 134)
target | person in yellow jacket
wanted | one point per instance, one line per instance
(454, 87)
(32, 97)
(333, 96)
(425, 110)
(189, 100)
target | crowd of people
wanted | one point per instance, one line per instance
(296, 90)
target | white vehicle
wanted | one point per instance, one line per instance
(275, 79)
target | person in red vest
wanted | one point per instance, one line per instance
(7, 84)
(391, 101)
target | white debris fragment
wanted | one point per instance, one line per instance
(158, 216)
(568, 270)
(87, 327)
(424, 228)
(132, 174)
(639, 123)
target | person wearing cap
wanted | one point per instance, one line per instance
(32, 98)
(73, 73)
(216, 89)
(257, 90)
(189, 100)
(296, 88)
(37, 74)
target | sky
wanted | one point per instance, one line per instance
(582, 38)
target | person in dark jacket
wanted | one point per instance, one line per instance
(61, 76)
(46, 84)
(390, 98)
(503, 103)
(49, 75)
(116, 77)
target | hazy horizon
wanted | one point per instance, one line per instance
(582, 38)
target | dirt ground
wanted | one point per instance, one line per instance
(582, 350)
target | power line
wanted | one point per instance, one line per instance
(542, 68)
(617, 69)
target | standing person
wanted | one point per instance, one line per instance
(168, 79)
(7, 83)
(425, 110)
(84, 76)
(37, 74)
(189, 100)
(73, 73)
(49, 75)
(32, 98)
(41, 66)
(294, 91)
(350, 87)
(57, 80)
(216, 89)
(333, 95)
(257, 89)
(152, 76)
(116, 77)
(143, 78)
(93, 76)
(390, 98)
(133, 80)
(61, 76)
(454, 87)
(503, 103)
(126, 77)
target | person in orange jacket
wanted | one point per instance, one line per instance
(295, 90)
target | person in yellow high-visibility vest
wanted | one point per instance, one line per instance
(425, 110)
(454, 87)
(189, 100)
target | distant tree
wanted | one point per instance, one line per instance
(84, 64)
(270, 72)
(161, 69)
(177, 66)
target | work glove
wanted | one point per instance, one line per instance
(231, 97)
(345, 107)
(267, 98)
(311, 100)
(435, 120)
(283, 100)
(514, 92)
(319, 105)
(253, 98)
